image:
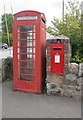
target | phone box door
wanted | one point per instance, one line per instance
(57, 58)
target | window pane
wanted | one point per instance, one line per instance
(29, 43)
(26, 64)
(25, 71)
(25, 28)
(25, 78)
(29, 50)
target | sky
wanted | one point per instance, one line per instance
(50, 8)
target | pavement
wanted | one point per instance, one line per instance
(24, 105)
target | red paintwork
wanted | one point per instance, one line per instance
(57, 67)
(34, 86)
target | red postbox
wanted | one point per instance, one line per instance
(57, 58)
(29, 46)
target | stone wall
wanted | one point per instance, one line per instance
(7, 69)
(54, 78)
(68, 84)
(67, 54)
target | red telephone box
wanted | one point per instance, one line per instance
(57, 58)
(29, 46)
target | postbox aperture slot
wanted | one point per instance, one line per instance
(56, 48)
